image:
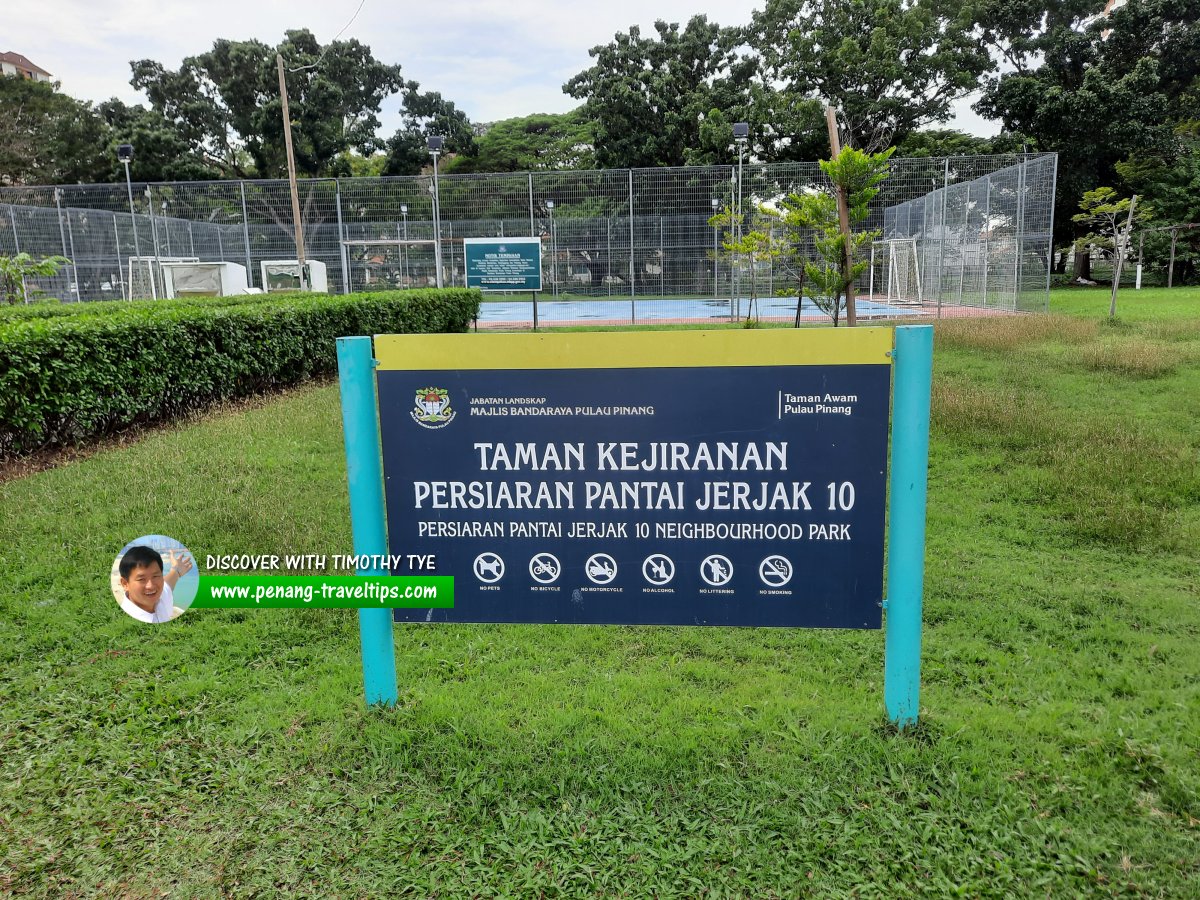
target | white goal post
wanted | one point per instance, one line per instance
(899, 263)
(146, 275)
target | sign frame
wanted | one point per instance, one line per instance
(472, 249)
(912, 364)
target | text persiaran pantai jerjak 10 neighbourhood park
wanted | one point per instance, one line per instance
(701, 478)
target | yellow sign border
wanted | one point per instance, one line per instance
(635, 349)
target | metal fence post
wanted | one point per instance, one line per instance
(12, 217)
(120, 269)
(632, 235)
(343, 252)
(913, 378)
(74, 258)
(733, 269)
(962, 255)
(662, 259)
(1050, 238)
(245, 239)
(987, 238)
(608, 257)
(153, 220)
(1019, 235)
(532, 232)
(62, 237)
(942, 241)
(364, 471)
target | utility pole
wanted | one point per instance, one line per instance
(291, 164)
(835, 149)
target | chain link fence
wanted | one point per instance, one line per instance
(618, 245)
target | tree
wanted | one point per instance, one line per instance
(749, 243)
(161, 152)
(1170, 183)
(939, 142)
(540, 142)
(834, 270)
(1110, 222)
(1104, 214)
(422, 115)
(225, 105)
(1096, 89)
(15, 269)
(47, 137)
(648, 97)
(890, 66)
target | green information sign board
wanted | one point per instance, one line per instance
(504, 264)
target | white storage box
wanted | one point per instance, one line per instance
(204, 279)
(284, 275)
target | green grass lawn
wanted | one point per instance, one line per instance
(229, 753)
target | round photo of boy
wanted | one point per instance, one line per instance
(154, 578)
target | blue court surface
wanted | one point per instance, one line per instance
(641, 310)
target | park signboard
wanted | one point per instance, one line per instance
(734, 477)
(595, 479)
(503, 264)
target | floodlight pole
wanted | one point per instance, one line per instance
(125, 151)
(291, 166)
(741, 134)
(835, 149)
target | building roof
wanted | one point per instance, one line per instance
(18, 60)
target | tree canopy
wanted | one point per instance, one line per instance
(541, 142)
(225, 103)
(1105, 92)
(889, 66)
(648, 97)
(47, 137)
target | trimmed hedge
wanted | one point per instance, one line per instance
(21, 311)
(67, 379)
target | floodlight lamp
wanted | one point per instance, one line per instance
(434, 142)
(741, 131)
(125, 152)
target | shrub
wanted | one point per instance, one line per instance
(42, 310)
(71, 378)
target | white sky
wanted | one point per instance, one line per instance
(494, 58)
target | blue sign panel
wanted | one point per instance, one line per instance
(503, 264)
(687, 495)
